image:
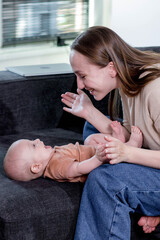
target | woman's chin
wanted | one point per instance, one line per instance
(98, 97)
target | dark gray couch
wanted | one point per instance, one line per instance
(41, 209)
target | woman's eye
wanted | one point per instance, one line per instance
(34, 145)
(83, 77)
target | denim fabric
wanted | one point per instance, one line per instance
(110, 194)
(88, 129)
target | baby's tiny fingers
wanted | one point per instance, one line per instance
(101, 154)
(100, 146)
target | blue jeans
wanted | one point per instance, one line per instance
(110, 194)
(88, 129)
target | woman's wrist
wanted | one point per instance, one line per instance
(90, 113)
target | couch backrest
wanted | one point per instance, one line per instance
(152, 48)
(28, 104)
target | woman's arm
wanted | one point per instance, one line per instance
(117, 152)
(146, 157)
(81, 106)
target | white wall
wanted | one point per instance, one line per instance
(0, 23)
(100, 12)
(136, 21)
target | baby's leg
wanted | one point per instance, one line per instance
(136, 137)
(95, 139)
(149, 223)
(117, 131)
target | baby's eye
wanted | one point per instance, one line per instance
(83, 77)
(34, 145)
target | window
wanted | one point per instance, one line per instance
(26, 21)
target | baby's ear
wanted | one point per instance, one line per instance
(36, 168)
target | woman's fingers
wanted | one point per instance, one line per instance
(80, 92)
(69, 96)
(67, 103)
(67, 109)
(68, 99)
(111, 145)
(111, 155)
(77, 104)
(114, 161)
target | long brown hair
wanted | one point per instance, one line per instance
(135, 68)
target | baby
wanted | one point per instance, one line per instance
(26, 160)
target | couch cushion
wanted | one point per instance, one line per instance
(42, 208)
(39, 209)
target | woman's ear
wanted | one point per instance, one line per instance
(112, 70)
(36, 168)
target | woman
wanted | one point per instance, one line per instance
(103, 63)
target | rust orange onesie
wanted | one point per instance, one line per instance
(62, 158)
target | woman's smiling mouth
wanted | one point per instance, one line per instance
(90, 90)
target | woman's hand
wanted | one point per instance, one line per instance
(116, 151)
(78, 104)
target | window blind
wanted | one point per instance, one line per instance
(26, 21)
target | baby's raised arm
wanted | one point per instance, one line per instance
(77, 169)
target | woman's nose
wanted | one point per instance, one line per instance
(80, 83)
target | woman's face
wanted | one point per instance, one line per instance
(98, 81)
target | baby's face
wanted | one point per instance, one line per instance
(36, 150)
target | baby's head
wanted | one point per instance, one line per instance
(26, 160)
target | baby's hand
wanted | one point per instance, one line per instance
(101, 152)
(115, 150)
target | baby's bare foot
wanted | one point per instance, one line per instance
(148, 223)
(136, 137)
(117, 131)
